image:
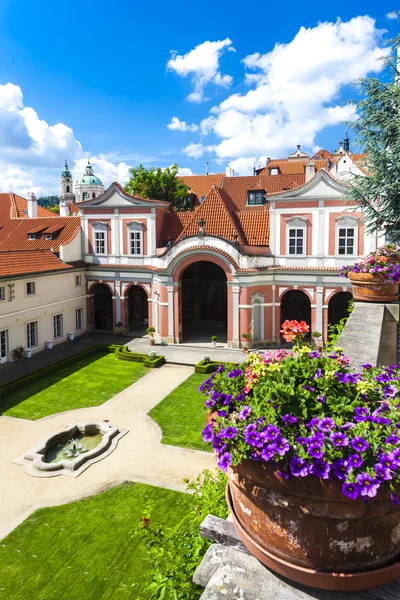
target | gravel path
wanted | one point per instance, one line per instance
(139, 455)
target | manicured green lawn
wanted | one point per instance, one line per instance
(84, 550)
(88, 382)
(181, 415)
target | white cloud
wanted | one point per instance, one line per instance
(202, 64)
(185, 171)
(177, 125)
(106, 170)
(392, 15)
(294, 92)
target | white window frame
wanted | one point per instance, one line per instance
(4, 359)
(36, 330)
(136, 228)
(78, 280)
(48, 236)
(57, 337)
(33, 283)
(273, 171)
(31, 236)
(99, 228)
(296, 223)
(346, 222)
(257, 194)
(3, 297)
(80, 311)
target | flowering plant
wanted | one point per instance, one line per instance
(382, 261)
(309, 415)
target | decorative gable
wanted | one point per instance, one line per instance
(116, 197)
(322, 185)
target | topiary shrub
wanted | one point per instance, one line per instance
(206, 367)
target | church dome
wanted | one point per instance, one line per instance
(89, 178)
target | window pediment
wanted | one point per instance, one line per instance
(135, 225)
(296, 221)
(347, 221)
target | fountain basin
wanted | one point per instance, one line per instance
(46, 455)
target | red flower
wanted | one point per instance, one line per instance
(294, 330)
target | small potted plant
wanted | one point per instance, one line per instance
(246, 343)
(317, 339)
(18, 353)
(375, 278)
(206, 359)
(119, 328)
(152, 354)
(214, 339)
(312, 448)
(150, 332)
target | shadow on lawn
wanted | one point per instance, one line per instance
(27, 390)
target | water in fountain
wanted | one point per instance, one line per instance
(73, 447)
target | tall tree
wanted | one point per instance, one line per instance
(47, 201)
(158, 184)
(377, 132)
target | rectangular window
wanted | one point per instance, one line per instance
(57, 326)
(78, 280)
(3, 346)
(2, 293)
(31, 335)
(100, 242)
(135, 242)
(79, 319)
(30, 288)
(296, 241)
(254, 198)
(346, 238)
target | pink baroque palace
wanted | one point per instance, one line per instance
(252, 252)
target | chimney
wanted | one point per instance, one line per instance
(310, 170)
(64, 208)
(207, 168)
(32, 206)
(229, 172)
(268, 161)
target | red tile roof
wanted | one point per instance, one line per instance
(287, 166)
(173, 225)
(13, 206)
(237, 187)
(200, 185)
(255, 226)
(33, 261)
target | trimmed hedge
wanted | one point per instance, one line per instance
(206, 367)
(15, 384)
(123, 353)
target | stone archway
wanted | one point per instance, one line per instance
(295, 304)
(102, 307)
(204, 302)
(136, 308)
(338, 307)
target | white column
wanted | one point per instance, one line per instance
(319, 309)
(118, 301)
(321, 235)
(156, 313)
(116, 232)
(235, 313)
(151, 235)
(170, 289)
(113, 236)
(272, 231)
(273, 313)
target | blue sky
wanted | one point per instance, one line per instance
(101, 71)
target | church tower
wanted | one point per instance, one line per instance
(67, 194)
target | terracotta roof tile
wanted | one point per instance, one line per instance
(237, 187)
(32, 261)
(255, 226)
(13, 206)
(292, 167)
(173, 225)
(200, 185)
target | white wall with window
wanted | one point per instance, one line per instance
(296, 236)
(30, 288)
(346, 236)
(2, 293)
(135, 238)
(57, 326)
(99, 240)
(32, 334)
(78, 319)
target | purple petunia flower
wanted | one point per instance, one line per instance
(282, 446)
(368, 486)
(360, 414)
(289, 419)
(355, 461)
(235, 373)
(351, 490)
(202, 387)
(255, 456)
(341, 468)
(220, 369)
(395, 499)
(380, 420)
(222, 413)
(225, 461)
(382, 378)
(326, 424)
(229, 433)
(244, 413)
(210, 403)
(347, 426)
(338, 439)
(321, 398)
(367, 366)
(208, 434)
(240, 397)
(390, 391)
(392, 440)
(301, 440)
(382, 472)
(396, 457)
(218, 443)
(313, 422)
(253, 438)
(268, 452)
(227, 399)
(321, 469)
(315, 450)
(309, 388)
(314, 354)
(359, 444)
(270, 433)
(284, 474)
(318, 373)
(299, 467)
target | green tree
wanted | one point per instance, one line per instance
(55, 209)
(47, 201)
(159, 184)
(377, 132)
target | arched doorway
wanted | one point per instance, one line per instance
(138, 308)
(204, 302)
(338, 307)
(102, 307)
(296, 305)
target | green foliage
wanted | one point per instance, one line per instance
(48, 201)
(173, 553)
(158, 184)
(206, 367)
(55, 209)
(377, 132)
(334, 331)
(214, 338)
(123, 353)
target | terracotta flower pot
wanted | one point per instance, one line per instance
(371, 287)
(306, 524)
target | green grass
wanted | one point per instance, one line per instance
(84, 550)
(88, 382)
(181, 415)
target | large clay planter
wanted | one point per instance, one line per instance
(371, 287)
(308, 531)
